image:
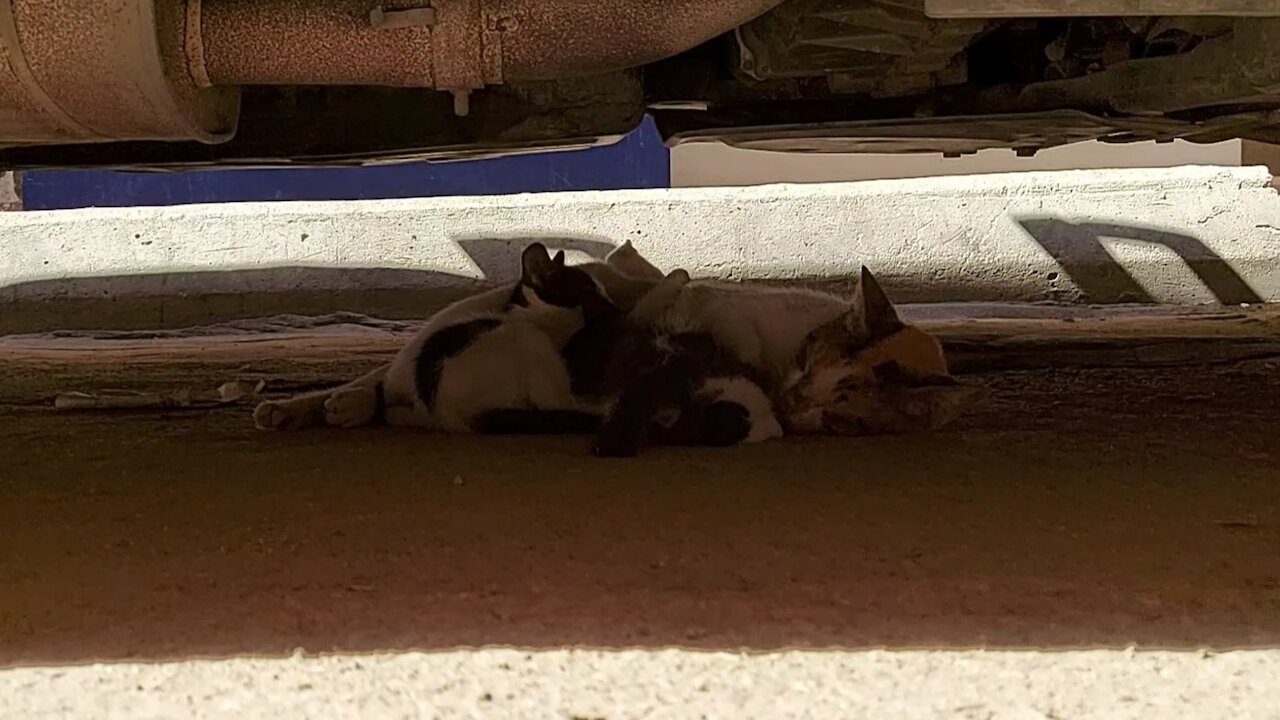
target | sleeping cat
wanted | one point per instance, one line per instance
(763, 327)
(665, 387)
(866, 372)
(490, 363)
(828, 364)
(713, 361)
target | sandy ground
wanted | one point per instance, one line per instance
(1121, 488)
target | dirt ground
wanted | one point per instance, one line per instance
(1121, 487)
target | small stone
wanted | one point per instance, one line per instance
(457, 480)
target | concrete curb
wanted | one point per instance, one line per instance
(1183, 236)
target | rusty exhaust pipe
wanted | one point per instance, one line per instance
(446, 44)
(81, 71)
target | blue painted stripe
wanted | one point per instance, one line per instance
(639, 161)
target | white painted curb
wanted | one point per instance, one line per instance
(1181, 235)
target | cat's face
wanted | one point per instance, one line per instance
(547, 284)
(866, 372)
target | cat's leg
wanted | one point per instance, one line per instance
(354, 406)
(308, 409)
(360, 402)
(295, 413)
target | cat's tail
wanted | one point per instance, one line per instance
(529, 421)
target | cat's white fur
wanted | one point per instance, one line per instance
(355, 403)
(517, 364)
(764, 422)
(763, 327)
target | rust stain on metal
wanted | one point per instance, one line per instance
(565, 38)
(457, 48)
(302, 42)
(459, 45)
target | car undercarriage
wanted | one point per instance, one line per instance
(156, 84)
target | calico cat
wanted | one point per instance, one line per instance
(827, 363)
(489, 364)
(867, 372)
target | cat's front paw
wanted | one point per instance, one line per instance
(351, 407)
(276, 415)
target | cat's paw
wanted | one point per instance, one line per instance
(351, 407)
(277, 415)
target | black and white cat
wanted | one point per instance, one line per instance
(489, 363)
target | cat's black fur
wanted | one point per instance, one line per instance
(443, 345)
(656, 382)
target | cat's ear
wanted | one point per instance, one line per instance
(535, 263)
(879, 317)
(628, 261)
(559, 258)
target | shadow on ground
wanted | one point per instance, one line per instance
(1079, 508)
